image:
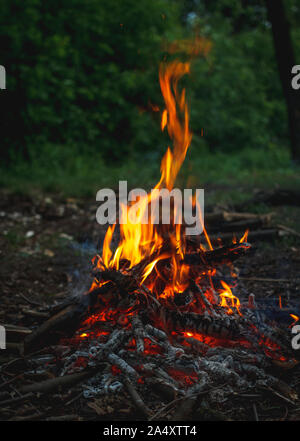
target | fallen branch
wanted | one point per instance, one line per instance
(288, 230)
(67, 319)
(54, 383)
(264, 234)
(268, 279)
(140, 405)
(17, 399)
(218, 256)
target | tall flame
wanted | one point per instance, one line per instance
(178, 130)
(140, 240)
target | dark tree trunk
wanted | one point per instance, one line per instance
(285, 60)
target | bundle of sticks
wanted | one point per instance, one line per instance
(224, 225)
(119, 336)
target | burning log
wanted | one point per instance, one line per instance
(115, 340)
(171, 351)
(157, 333)
(160, 376)
(204, 300)
(138, 333)
(122, 365)
(201, 324)
(103, 294)
(219, 256)
(194, 345)
(164, 377)
(126, 284)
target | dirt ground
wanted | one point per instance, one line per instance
(46, 244)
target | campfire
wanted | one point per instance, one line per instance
(163, 311)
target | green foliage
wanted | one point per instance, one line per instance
(237, 96)
(82, 75)
(79, 174)
(80, 72)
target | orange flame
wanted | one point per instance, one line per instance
(295, 318)
(228, 300)
(178, 130)
(245, 237)
(140, 240)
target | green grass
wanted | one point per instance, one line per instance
(71, 173)
(269, 167)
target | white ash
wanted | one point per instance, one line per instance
(157, 333)
(107, 386)
(201, 367)
(121, 364)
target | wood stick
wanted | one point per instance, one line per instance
(237, 226)
(140, 405)
(31, 301)
(54, 383)
(288, 230)
(125, 283)
(280, 395)
(255, 412)
(189, 321)
(211, 218)
(17, 399)
(32, 417)
(231, 216)
(264, 234)
(16, 333)
(6, 383)
(71, 417)
(266, 279)
(219, 255)
(34, 313)
(66, 320)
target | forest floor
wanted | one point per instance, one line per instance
(46, 246)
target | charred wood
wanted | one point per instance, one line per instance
(63, 323)
(58, 382)
(189, 321)
(218, 256)
(136, 398)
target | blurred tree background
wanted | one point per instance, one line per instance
(82, 90)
